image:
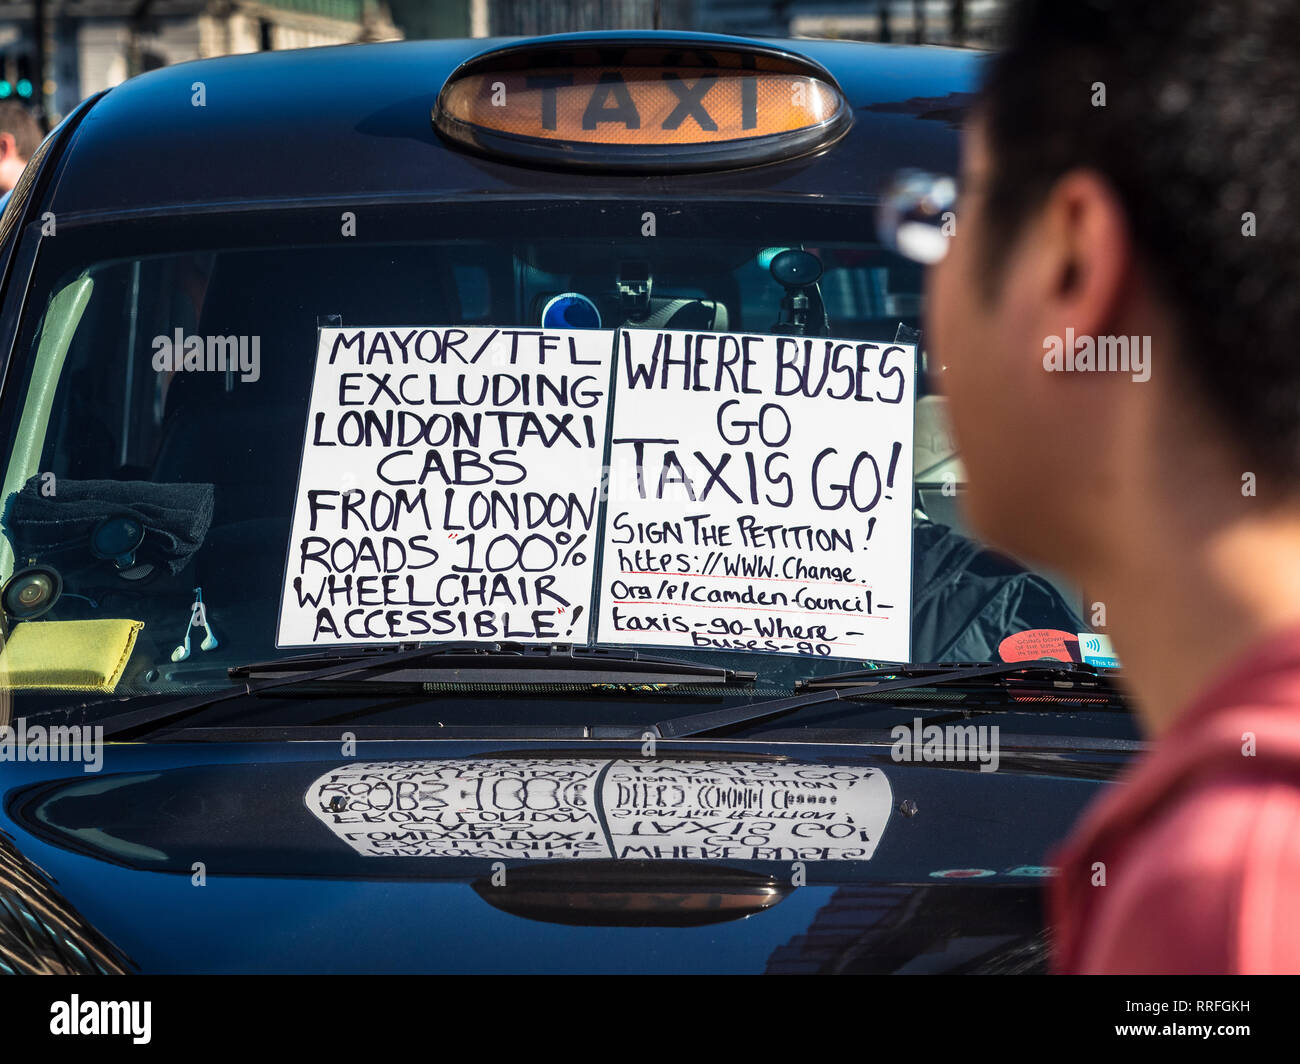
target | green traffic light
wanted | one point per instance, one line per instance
(24, 88)
(6, 90)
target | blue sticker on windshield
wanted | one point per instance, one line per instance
(1096, 650)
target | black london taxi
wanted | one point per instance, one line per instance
(482, 506)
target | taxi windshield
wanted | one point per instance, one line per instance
(163, 424)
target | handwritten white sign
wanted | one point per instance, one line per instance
(449, 487)
(760, 495)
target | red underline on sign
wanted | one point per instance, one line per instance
(728, 576)
(828, 642)
(757, 609)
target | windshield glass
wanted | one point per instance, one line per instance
(157, 496)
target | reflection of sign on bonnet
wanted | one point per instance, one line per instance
(533, 809)
(449, 487)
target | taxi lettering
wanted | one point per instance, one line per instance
(612, 100)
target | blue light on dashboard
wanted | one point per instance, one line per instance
(570, 310)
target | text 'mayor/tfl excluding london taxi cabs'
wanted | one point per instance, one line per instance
(486, 505)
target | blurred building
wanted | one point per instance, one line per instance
(528, 18)
(967, 23)
(94, 44)
(91, 45)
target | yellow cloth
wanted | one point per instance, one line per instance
(68, 655)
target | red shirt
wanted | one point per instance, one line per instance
(1199, 842)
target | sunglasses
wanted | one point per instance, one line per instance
(914, 215)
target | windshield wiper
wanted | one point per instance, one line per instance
(1013, 677)
(500, 663)
(1038, 672)
(504, 663)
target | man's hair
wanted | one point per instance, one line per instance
(1200, 127)
(18, 121)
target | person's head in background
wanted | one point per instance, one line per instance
(20, 134)
(1131, 170)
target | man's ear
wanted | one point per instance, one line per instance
(8, 146)
(1089, 250)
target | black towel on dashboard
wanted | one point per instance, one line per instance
(175, 517)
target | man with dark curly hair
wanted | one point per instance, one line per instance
(1118, 315)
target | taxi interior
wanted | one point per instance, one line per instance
(205, 428)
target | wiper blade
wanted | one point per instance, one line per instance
(893, 678)
(499, 659)
(1041, 672)
(155, 716)
(504, 663)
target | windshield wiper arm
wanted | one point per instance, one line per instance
(698, 724)
(501, 660)
(509, 663)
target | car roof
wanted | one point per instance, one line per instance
(353, 123)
